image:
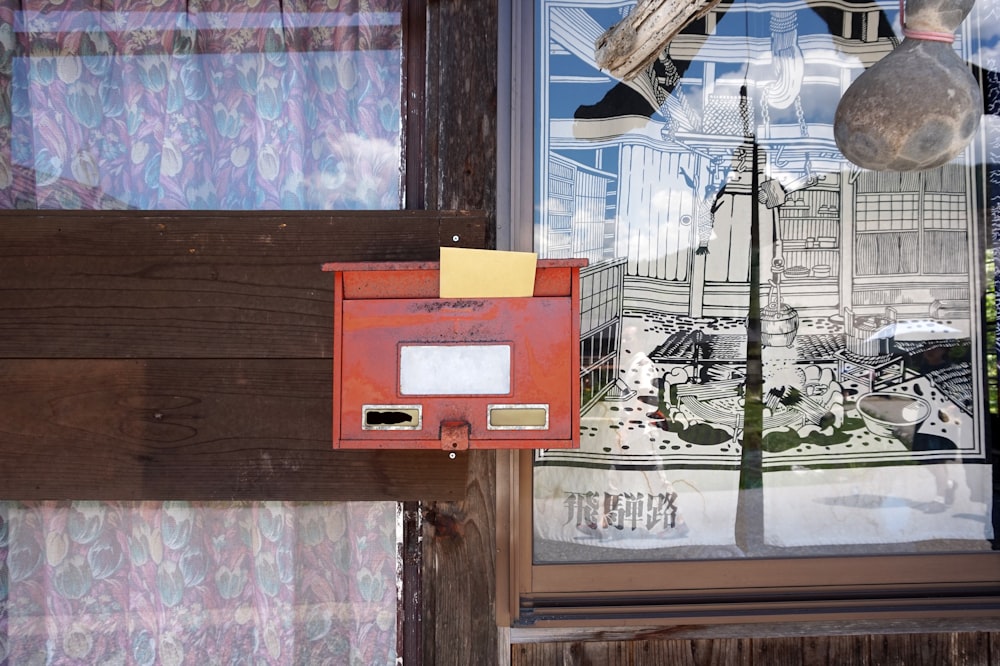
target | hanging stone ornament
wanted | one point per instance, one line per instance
(918, 107)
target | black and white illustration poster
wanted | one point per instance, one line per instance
(780, 350)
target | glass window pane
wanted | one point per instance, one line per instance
(833, 400)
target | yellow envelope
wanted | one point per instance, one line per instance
(486, 273)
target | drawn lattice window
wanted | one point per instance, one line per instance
(888, 212)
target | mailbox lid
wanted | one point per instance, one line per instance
(412, 279)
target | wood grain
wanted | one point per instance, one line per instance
(459, 561)
(968, 648)
(182, 285)
(777, 651)
(129, 429)
(461, 173)
(403, 235)
(721, 652)
(588, 654)
(845, 650)
(187, 355)
(911, 649)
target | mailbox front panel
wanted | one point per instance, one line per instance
(504, 366)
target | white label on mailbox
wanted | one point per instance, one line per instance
(454, 369)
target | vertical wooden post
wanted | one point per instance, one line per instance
(459, 546)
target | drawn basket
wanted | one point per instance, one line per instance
(778, 325)
(871, 335)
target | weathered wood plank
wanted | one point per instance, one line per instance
(176, 307)
(777, 651)
(548, 654)
(459, 569)
(594, 654)
(267, 236)
(211, 285)
(622, 654)
(721, 652)
(628, 47)
(845, 650)
(699, 652)
(912, 649)
(968, 648)
(909, 650)
(665, 652)
(193, 429)
(461, 106)
(461, 173)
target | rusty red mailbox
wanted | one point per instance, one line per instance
(413, 370)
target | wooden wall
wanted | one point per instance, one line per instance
(933, 649)
(188, 355)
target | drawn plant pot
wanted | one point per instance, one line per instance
(893, 414)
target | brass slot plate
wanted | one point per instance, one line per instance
(517, 417)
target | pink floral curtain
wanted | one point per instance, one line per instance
(184, 583)
(200, 104)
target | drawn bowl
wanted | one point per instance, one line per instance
(893, 414)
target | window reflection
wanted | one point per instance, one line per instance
(799, 365)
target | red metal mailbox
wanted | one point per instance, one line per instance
(412, 370)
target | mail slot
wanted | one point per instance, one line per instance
(413, 370)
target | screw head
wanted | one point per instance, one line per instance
(454, 239)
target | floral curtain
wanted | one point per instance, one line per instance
(211, 583)
(210, 104)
